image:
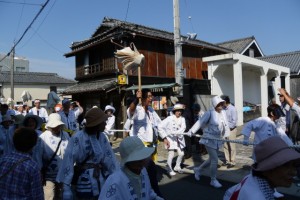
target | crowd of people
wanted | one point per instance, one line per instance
(65, 159)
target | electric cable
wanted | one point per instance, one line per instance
(26, 30)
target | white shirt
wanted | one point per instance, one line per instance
(42, 113)
(143, 126)
(110, 125)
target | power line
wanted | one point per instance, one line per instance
(127, 10)
(20, 20)
(36, 30)
(42, 8)
(28, 4)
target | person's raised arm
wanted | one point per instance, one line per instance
(135, 102)
(287, 97)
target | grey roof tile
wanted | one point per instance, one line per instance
(91, 86)
(35, 77)
(108, 25)
(237, 45)
(289, 59)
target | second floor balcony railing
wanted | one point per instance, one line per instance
(106, 66)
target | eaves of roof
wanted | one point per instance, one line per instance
(92, 86)
(116, 26)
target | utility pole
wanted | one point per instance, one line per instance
(178, 48)
(12, 94)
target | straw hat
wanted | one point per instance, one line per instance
(94, 117)
(54, 120)
(178, 107)
(133, 149)
(272, 153)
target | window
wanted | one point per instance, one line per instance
(20, 69)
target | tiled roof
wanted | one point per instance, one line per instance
(289, 59)
(35, 77)
(110, 27)
(91, 86)
(237, 45)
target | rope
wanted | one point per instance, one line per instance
(218, 139)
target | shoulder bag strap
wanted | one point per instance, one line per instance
(13, 167)
(54, 154)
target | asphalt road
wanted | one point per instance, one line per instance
(185, 187)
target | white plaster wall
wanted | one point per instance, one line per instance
(251, 87)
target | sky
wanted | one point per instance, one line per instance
(274, 24)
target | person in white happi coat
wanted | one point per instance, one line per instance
(39, 111)
(51, 149)
(68, 117)
(275, 166)
(144, 124)
(131, 182)
(7, 129)
(110, 122)
(215, 125)
(92, 153)
(265, 127)
(174, 127)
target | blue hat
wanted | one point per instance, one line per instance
(65, 101)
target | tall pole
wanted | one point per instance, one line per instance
(12, 95)
(178, 48)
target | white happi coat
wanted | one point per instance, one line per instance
(81, 145)
(42, 113)
(46, 147)
(110, 125)
(249, 190)
(6, 140)
(143, 126)
(173, 127)
(70, 121)
(118, 187)
(212, 127)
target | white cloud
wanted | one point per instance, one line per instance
(65, 69)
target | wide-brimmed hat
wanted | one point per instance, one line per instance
(94, 117)
(54, 120)
(174, 100)
(18, 119)
(216, 100)
(109, 107)
(272, 153)
(38, 120)
(133, 149)
(178, 107)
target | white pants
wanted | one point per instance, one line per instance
(178, 160)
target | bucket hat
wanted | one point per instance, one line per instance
(216, 100)
(94, 117)
(273, 152)
(109, 107)
(38, 120)
(133, 149)
(54, 120)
